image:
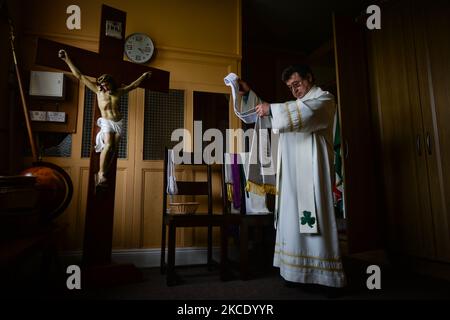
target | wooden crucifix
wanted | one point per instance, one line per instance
(98, 234)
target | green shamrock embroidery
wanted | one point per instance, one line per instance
(307, 219)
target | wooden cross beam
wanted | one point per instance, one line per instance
(98, 233)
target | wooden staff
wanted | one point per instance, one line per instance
(22, 95)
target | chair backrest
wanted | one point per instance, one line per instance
(189, 188)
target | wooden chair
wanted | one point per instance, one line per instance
(246, 222)
(172, 221)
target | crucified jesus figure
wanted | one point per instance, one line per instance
(110, 122)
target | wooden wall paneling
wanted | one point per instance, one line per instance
(82, 201)
(138, 211)
(152, 185)
(80, 179)
(135, 112)
(431, 27)
(120, 208)
(67, 219)
(398, 109)
(135, 102)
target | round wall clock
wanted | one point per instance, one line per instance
(139, 47)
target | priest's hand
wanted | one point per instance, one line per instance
(263, 109)
(243, 87)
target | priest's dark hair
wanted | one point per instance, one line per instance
(302, 69)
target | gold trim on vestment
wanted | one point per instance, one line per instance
(310, 267)
(291, 123)
(307, 257)
(300, 119)
(260, 189)
(230, 192)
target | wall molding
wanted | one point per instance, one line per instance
(148, 258)
(62, 36)
(93, 40)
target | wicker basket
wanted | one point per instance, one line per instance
(183, 207)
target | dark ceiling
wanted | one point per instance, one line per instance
(294, 25)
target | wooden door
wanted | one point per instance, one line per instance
(395, 93)
(432, 25)
(361, 202)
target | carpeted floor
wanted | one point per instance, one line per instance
(197, 283)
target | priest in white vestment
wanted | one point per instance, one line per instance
(307, 245)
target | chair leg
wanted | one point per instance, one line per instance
(171, 256)
(210, 248)
(243, 264)
(163, 249)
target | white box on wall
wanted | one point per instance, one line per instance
(38, 115)
(56, 116)
(44, 84)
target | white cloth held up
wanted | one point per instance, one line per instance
(249, 116)
(259, 166)
(171, 180)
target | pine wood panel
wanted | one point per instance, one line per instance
(152, 185)
(120, 209)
